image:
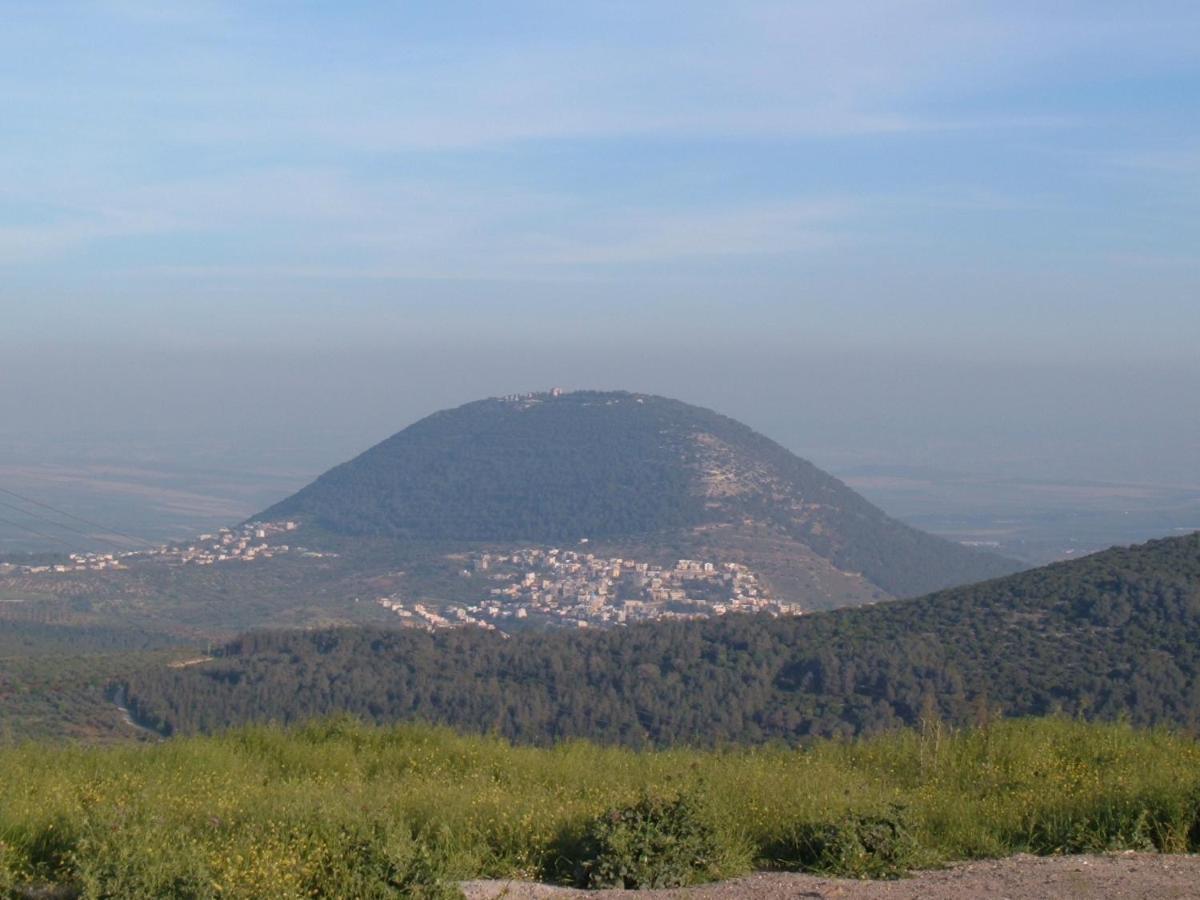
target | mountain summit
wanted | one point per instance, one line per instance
(632, 471)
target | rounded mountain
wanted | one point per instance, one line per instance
(632, 471)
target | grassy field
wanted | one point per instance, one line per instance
(338, 809)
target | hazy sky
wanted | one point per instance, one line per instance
(876, 230)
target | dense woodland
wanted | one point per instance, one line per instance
(490, 471)
(610, 465)
(23, 638)
(1114, 635)
(56, 672)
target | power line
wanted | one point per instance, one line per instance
(47, 521)
(71, 515)
(34, 531)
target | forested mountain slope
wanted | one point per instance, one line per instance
(1112, 635)
(615, 466)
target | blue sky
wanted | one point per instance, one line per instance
(985, 184)
(1013, 172)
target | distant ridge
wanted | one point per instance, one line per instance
(1112, 635)
(621, 467)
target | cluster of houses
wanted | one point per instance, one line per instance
(532, 396)
(76, 562)
(418, 614)
(247, 543)
(574, 589)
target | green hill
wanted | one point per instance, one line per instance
(1114, 635)
(628, 467)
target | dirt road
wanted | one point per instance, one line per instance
(1124, 876)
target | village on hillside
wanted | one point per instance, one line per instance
(575, 589)
(512, 589)
(246, 543)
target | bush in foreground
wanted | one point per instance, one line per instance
(856, 845)
(655, 842)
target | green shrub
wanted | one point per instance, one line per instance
(854, 846)
(655, 842)
(371, 862)
(38, 851)
(1103, 825)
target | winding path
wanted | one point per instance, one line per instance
(128, 718)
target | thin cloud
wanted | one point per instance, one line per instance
(33, 243)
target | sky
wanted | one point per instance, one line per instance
(954, 233)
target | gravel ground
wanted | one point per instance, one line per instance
(1122, 876)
